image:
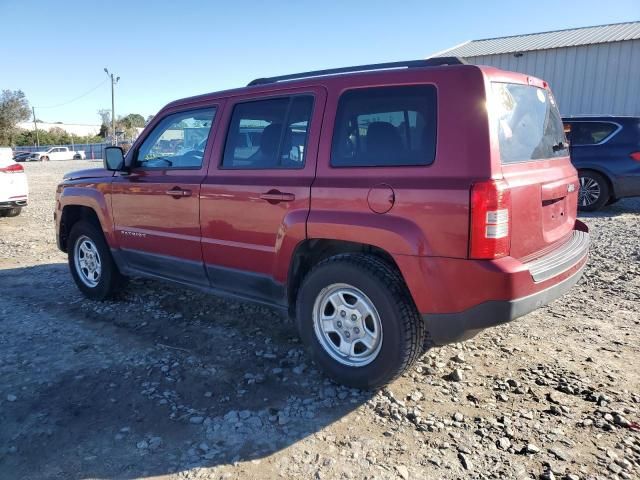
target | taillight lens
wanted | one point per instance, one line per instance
(490, 231)
(15, 168)
(635, 156)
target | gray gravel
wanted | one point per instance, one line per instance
(170, 383)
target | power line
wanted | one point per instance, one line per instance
(77, 98)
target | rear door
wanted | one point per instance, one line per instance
(534, 160)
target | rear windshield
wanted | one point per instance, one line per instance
(528, 123)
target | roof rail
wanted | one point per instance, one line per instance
(429, 62)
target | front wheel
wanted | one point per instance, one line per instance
(594, 191)
(92, 266)
(356, 316)
(44, 159)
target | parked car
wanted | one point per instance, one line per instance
(59, 153)
(21, 156)
(383, 209)
(14, 190)
(606, 151)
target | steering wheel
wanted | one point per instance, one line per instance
(193, 153)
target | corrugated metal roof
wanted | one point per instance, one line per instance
(616, 32)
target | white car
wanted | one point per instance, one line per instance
(59, 153)
(14, 191)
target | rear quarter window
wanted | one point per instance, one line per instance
(385, 126)
(590, 133)
(528, 124)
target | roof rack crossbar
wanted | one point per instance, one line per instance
(429, 62)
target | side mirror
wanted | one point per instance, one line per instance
(114, 159)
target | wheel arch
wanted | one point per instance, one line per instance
(311, 251)
(72, 214)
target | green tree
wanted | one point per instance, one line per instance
(133, 120)
(14, 108)
(56, 136)
(129, 125)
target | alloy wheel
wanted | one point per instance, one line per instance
(347, 325)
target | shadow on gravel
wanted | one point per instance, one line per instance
(621, 207)
(160, 381)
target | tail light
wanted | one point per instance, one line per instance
(635, 156)
(14, 168)
(490, 234)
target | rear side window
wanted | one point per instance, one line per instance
(268, 134)
(387, 126)
(528, 123)
(590, 133)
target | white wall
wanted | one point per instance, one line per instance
(589, 79)
(75, 129)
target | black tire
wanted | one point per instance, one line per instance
(403, 332)
(110, 279)
(44, 159)
(10, 212)
(592, 182)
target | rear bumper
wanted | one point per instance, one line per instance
(455, 327)
(457, 298)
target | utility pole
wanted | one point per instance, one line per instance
(114, 80)
(35, 124)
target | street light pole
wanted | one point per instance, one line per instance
(35, 125)
(114, 80)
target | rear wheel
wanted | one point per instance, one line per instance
(91, 263)
(594, 191)
(355, 315)
(11, 212)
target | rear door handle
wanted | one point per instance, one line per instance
(177, 192)
(276, 196)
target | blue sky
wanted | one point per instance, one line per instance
(163, 50)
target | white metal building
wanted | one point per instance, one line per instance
(591, 70)
(73, 128)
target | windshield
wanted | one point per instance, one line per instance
(528, 123)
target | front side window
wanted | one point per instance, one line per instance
(590, 133)
(178, 141)
(528, 123)
(386, 126)
(268, 134)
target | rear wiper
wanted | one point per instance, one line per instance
(560, 146)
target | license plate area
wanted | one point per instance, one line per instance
(556, 219)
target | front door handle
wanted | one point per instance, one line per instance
(177, 192)
(276, 196)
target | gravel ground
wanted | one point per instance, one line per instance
(169, 383)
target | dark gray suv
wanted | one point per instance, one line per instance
(606, 152)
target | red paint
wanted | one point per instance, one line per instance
(254, 220)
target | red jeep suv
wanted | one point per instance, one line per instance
(388, 207)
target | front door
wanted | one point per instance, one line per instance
(256, 198)
(156, 205)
